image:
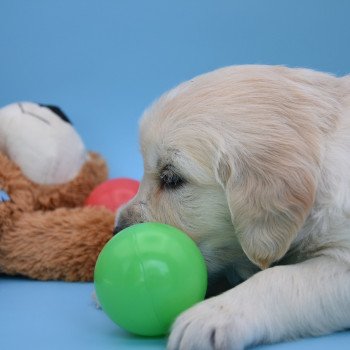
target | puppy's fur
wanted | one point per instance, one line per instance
(253, 163)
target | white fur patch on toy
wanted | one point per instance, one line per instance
(42, 141)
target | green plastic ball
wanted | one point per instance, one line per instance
(146, 275)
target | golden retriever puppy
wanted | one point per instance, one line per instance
(253, 163)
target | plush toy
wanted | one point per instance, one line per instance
(46, 174)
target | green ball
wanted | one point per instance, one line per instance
(146, 275)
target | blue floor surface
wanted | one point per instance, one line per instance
(62, 316)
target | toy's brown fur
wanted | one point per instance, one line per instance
(45, 232)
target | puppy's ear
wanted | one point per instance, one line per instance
(269, 199)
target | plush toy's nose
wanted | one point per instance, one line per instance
(58, 111)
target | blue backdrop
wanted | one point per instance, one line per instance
(104, 61)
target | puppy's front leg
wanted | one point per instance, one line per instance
(283, 302)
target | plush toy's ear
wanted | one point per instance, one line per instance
(269, 199)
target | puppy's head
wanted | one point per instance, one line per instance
(179, 187)
(224, 166)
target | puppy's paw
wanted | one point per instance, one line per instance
(210, 325)
(95, 300)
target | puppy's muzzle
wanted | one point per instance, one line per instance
(126, 218)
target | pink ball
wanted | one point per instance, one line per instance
(112, 194)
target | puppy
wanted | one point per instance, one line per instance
(253, 163)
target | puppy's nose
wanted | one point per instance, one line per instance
(122, 224)
(119, 228)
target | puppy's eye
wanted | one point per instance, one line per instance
(170, 179)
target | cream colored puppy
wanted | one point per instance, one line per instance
(253, 163)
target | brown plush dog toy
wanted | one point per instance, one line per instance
(45, 176)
